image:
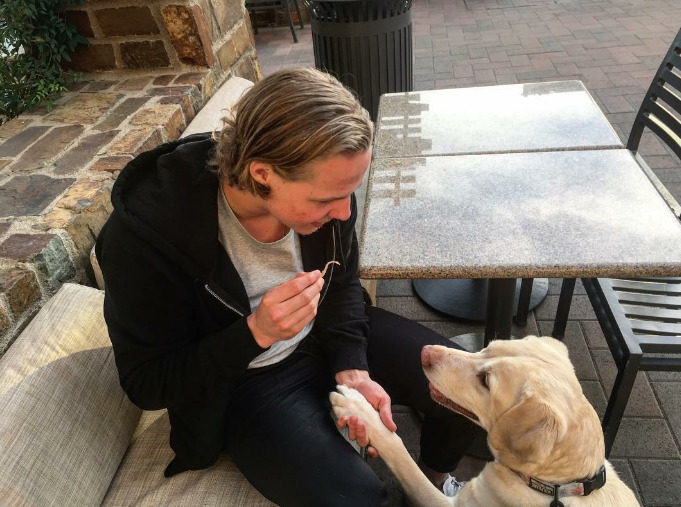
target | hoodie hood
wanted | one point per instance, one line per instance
(161, 196)
(168, 196)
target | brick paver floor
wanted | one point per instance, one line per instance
(614, 47)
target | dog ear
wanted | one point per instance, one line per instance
(526, 433)
(551, 342)
(555, 344)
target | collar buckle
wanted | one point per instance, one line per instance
(596, 482)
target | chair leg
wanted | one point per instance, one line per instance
(617, 403)
(290, 21)
(300, 18)
(524, 301)
(563, 311)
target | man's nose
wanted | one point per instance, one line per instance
(341, 210)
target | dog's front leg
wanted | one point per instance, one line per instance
(415, 484)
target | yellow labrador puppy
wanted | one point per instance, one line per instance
(545, 436)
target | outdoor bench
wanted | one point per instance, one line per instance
(69, 435)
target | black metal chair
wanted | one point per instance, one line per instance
(640, 318)
(255, 6)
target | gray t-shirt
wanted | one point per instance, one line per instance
(262, 266)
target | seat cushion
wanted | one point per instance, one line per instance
(140, 481)
(65, 423)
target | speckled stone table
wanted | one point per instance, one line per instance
(493, 119)
(567, 214)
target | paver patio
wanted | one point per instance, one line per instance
(614, 47)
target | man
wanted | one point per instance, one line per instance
(217, 309)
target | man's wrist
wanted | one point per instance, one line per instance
(262, 340)
(352, 378)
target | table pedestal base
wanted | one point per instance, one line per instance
(501, 301)
(467, 298)
(472, 342)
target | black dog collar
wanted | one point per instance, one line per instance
(581, 487)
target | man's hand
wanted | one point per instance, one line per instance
(377, 398)
(286, 309)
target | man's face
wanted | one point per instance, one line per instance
(306, 205)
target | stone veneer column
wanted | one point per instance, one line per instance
(174, 35)
(149, 68)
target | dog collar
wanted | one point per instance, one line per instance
(581, 487)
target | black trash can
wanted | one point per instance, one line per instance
(366, 44)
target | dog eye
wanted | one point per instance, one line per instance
(483, 376)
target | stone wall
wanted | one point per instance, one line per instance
(57, 168)
(160, 34)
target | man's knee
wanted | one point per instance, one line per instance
(366, 490)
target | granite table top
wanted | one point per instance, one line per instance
(492, 119)
(590, 213)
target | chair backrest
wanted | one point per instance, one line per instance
(661, 107)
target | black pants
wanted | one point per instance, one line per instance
(281, 435)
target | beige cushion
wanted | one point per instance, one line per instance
(140, 481)
(65, 423)
(219, 105)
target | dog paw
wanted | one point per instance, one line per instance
(347, 401)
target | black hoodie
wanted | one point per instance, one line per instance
(176, 307)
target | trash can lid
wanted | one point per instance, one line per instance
(349, 11)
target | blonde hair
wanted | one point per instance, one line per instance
(289, 119)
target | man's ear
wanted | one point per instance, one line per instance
(261, 172)
(526, 433)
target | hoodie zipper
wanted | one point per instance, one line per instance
(212, 293)
(326, 288)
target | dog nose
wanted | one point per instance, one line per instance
(431, 354)
(427, 355)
